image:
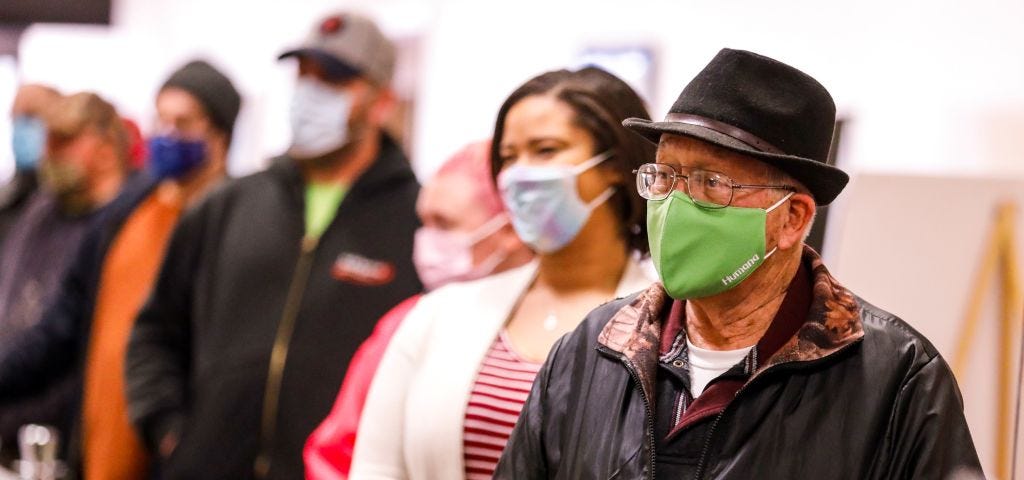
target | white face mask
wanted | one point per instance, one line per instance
(546, 208)
(444, 256)
(319, 119)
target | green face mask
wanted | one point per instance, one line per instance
(700, 252)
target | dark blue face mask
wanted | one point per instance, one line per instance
(173, 157)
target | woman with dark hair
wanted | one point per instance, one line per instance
(455, 376)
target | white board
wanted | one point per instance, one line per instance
(912, 245)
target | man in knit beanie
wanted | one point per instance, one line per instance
(116, 270)
(212, 89)
(196, 104)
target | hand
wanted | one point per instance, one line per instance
(168, 444)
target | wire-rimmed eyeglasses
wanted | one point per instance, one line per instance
(709, 189)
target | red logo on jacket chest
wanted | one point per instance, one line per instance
(357, 269)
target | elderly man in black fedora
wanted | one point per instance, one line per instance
(748, 360)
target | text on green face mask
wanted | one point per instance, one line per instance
(700, 252)
(738, 274)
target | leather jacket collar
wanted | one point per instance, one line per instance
(833, 322)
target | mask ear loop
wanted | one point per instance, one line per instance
(492, 261)
(780, 202)
(488, 228)
(773, 207)
(587, 165)
(593, 162)
(603, 197)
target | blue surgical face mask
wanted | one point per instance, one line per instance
(546, 208)
(319, 118)
(173, 157)
(28, 140)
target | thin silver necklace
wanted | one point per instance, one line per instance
(551, 321)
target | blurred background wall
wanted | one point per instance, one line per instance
(928, 86)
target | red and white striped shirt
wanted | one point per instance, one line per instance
(499, 393)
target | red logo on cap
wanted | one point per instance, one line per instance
(331, 25)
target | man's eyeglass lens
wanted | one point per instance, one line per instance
(655, 181)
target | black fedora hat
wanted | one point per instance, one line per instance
(760, 107)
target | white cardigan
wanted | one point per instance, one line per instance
(412, 424)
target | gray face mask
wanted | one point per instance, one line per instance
(319, 119)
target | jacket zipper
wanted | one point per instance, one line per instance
(707, 440)
(279, 354)
(680, 408)
(649, 434)
(701, 465)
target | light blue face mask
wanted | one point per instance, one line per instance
(546, 209)
(28, 140)
(319, 119)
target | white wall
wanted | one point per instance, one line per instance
(919, 79)
(922, 81)
(8, 82)
(126, 63)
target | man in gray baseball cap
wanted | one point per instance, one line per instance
(343, 90)
(345, 45)
(271, 284)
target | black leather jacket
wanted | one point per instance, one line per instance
(856, 393)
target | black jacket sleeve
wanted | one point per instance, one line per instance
(524, 455)
(159, 348)
(48, 350)
(928, 431)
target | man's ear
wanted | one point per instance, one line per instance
(383, 106)
(799, 213)
(217, 146)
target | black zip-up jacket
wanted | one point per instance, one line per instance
(855, 393)
(240, 281)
